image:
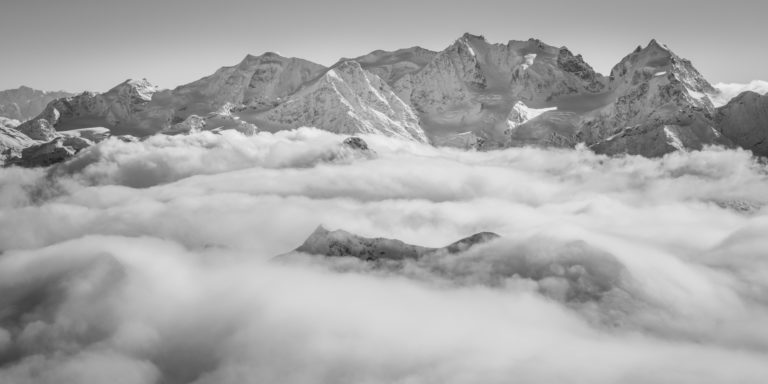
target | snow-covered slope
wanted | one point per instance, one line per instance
(9, 123)
(24, 103)
(744, 120)
(346, 99)
(257, 82)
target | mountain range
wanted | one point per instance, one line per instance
(24, 103)
(473, 94)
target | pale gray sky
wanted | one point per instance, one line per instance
(94, 44)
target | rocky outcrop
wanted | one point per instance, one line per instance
(40, 129)
(192, 124)
(744, 120)
(44, 154)
(356, 144)
(341, 243)
(12, 142)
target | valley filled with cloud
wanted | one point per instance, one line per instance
(154, 262)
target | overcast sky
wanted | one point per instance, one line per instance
(94, 44)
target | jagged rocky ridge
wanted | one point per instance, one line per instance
(341, 243)
(473, 94)
(577, 273)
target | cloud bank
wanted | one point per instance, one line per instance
(151, 262)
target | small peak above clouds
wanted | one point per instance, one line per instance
(727, 91)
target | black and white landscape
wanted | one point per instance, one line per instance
(485, 213)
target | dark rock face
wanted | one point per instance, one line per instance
(577, 66)
(76, 142)
(39, 129)
(744, 120)
(356, 143)
(469, 242)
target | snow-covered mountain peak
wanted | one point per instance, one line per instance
(139, 90)
(657, 64)
(660, 104)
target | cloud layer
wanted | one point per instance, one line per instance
(151, 262)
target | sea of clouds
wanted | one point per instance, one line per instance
(152, 262)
